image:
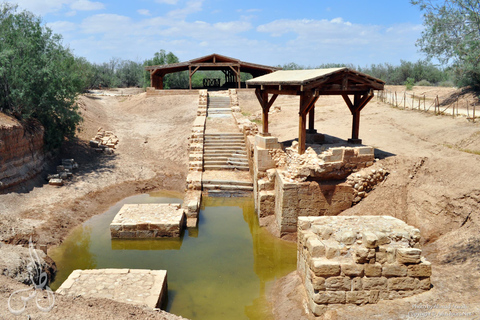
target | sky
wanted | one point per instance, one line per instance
(307, 32)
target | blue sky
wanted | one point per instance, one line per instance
(307, 32)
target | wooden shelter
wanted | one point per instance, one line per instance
(230, 67)
(310, 85)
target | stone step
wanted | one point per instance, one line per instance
(226, 158)
(228, 193)
(228, 182)
(225, 167)
(225, 162)
(227, 187)
(227, 134)
(220, 148)
(223, 143)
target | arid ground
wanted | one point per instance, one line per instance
(434, 184)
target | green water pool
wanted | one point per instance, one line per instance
(220, 270)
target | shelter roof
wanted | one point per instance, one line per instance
(331, 80)
(214, 62)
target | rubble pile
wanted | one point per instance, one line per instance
(365, 180)
(64, 172)
(104, 141)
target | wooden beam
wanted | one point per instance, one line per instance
(192, 73)
(262, 97)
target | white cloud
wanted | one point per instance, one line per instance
(62, 26)
(144, 12)
(193, 6)
(86, 5)
(41, 7)
(108, 24)
(172, 2)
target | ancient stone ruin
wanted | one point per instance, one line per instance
(326, 180)
(359, 260)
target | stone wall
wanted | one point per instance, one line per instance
(21, 152)
(152, 92)
(359, 260)
(193, 194)
(309, 198)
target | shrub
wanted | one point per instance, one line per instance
(409, 83)
(423, 83)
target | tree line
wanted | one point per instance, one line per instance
(40, 78)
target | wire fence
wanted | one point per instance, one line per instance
(451, 106)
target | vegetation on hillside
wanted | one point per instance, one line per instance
(39, 78)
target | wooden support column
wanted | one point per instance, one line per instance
(262, 97)
(190, 77)
(307, 103)
(359, 102)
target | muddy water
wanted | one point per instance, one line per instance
(220, 270)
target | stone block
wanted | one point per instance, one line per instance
(317, 309)
(266, 142)
(357, 284)
(373, 270)
(394, 270)
(374, 296)
(325, 268)
(408, 255)
(423, 284)
(401, 283)
(332, 249)
(357, 297)
(352, 269)
(347, 237)
(329, 297)
(369, 239)
(338, 284)
(316, 248)
(377, 283)
(423, 269)
(361, 255)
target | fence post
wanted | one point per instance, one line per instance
(474, 105)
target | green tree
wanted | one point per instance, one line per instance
(39, 78)
(452, 34)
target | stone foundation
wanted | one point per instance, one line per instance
(132, 286)
(359, 260)
(325, 181)
(148, 221)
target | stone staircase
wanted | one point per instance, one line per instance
(225, 161)
(219, 107)
(227, 188)
(225, 151)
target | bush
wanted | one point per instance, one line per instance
(409, 83)
(39, 78)
(446, 84)
(423, 83)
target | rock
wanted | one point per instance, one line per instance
(55, 182)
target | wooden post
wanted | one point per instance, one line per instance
(311, 121)
(468, 113)
(413, 101)
(302, 136)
